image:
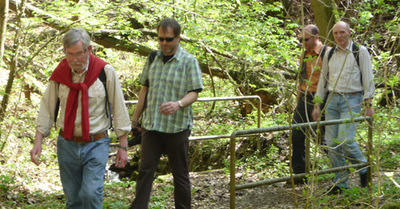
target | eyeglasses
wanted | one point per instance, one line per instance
(78, 55)
(161, 39)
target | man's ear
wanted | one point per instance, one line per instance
(90, 48)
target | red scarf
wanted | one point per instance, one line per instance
(63, 74)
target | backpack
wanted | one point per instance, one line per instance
(355, 50)
(103, 78)
(152, 56)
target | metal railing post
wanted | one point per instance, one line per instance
(259, 125)
(232, 184)
(296, 176)
(307, 145)
(369, 147)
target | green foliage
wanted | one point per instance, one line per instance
(6, 183)
(246, 37)
(267, 165)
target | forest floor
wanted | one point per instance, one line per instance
(211, 190)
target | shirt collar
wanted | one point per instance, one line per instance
(348, 47)
(177, 55)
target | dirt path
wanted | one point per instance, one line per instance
(211, 190)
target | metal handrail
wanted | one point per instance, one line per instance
(210, 99)
(235, 134)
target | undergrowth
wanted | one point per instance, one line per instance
(23, 185)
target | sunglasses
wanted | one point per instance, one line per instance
(161, 39)
(305, 39)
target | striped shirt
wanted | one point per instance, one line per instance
(170, 82)
(345, 74)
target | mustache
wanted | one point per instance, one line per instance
(77, 62)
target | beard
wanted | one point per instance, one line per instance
(77, 66)
(169, 50)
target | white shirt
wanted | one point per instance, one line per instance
(345, 74)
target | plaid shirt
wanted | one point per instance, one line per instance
(170, 82)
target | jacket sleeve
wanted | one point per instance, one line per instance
(47, 109)
(117, 101)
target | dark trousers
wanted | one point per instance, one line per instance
(302, 114)
(153, 145)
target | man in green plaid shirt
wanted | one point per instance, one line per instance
(171, 83)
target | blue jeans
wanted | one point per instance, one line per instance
(82, 170)
(340, 138)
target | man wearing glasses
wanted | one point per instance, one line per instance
(171, 83)
(83, 142)
(310, 70)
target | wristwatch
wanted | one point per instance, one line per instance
(180, 104)
(123, 147)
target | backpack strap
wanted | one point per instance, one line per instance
(355, 49)
(356, 53)
(322, 54)
(329, 58)
(152, 56)
(57, 108)
(331, 53)
(303, 70)
(103, 79)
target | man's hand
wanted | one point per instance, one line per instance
(136, 130)
(369, 111)
(316, 113)
(37, 148)
(122, 158)
(169, 108)
(36, 151)
(122, 155)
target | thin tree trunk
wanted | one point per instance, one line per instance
(13, 66)
(3, 25)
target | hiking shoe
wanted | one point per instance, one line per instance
(364, 180)
(334, 190)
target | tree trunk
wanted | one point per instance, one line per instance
(13, 68)
(325, 18)
(3, 25)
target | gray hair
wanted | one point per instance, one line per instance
(74, 35)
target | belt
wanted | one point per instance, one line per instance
(78, 139)
(341, 93)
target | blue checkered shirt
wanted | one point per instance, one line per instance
(170, 82)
